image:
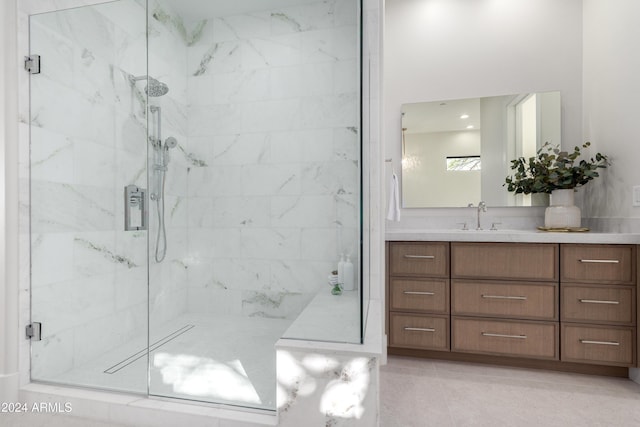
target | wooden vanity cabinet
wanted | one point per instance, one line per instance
(599, 264)
(505, 261)
(558, 305)
(598, 304)
(519, 338)
(419, 259)
(504, 299)
(418, 295)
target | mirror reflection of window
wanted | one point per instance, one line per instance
(464, 163)
(488, 132)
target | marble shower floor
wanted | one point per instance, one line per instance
(423, 393)
(221, 359)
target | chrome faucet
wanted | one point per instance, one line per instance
(482, 206)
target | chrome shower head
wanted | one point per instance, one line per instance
(156, 88)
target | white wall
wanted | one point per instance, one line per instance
(611, 88)
(549, 118)
(453, 49)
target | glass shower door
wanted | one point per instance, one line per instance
(88, 142)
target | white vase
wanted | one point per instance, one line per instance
(562, 213)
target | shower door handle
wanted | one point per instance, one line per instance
(135, 208)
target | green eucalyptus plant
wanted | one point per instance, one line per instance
(553, 169)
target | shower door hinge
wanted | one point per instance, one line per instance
(32, 64)
(34, 331)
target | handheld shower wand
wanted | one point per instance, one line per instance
(156, 88)
(160, 167)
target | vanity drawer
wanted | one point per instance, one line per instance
(520, 300)
(419, 259)
(598, 344)
(430, 295)
(598, 263)
(419, 332)
(598, 304)
(504, 337)
(508, 261)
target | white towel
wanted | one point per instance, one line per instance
(393, 213)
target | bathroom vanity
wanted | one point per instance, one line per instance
(549, 300)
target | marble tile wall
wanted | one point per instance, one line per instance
(274, 125)
(88, 140)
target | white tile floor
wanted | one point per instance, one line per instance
(423, 393)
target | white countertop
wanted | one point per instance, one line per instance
(521, 236)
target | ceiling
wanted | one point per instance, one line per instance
(193, 10)
(441, 116)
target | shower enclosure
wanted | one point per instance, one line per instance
(196, 175)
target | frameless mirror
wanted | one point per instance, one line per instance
(458, 152)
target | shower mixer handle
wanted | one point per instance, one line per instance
(135, 208)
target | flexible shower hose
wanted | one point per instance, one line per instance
(162, 231)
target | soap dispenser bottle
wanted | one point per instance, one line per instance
(341, 269)
(348, 275)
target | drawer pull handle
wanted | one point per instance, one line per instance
(417, 293)
(504, 297)
(420, 256)
(488, 334)
(600, 261)
(600, 342)
(407, 328)
(597, 301)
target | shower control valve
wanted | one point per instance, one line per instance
(135, 208)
